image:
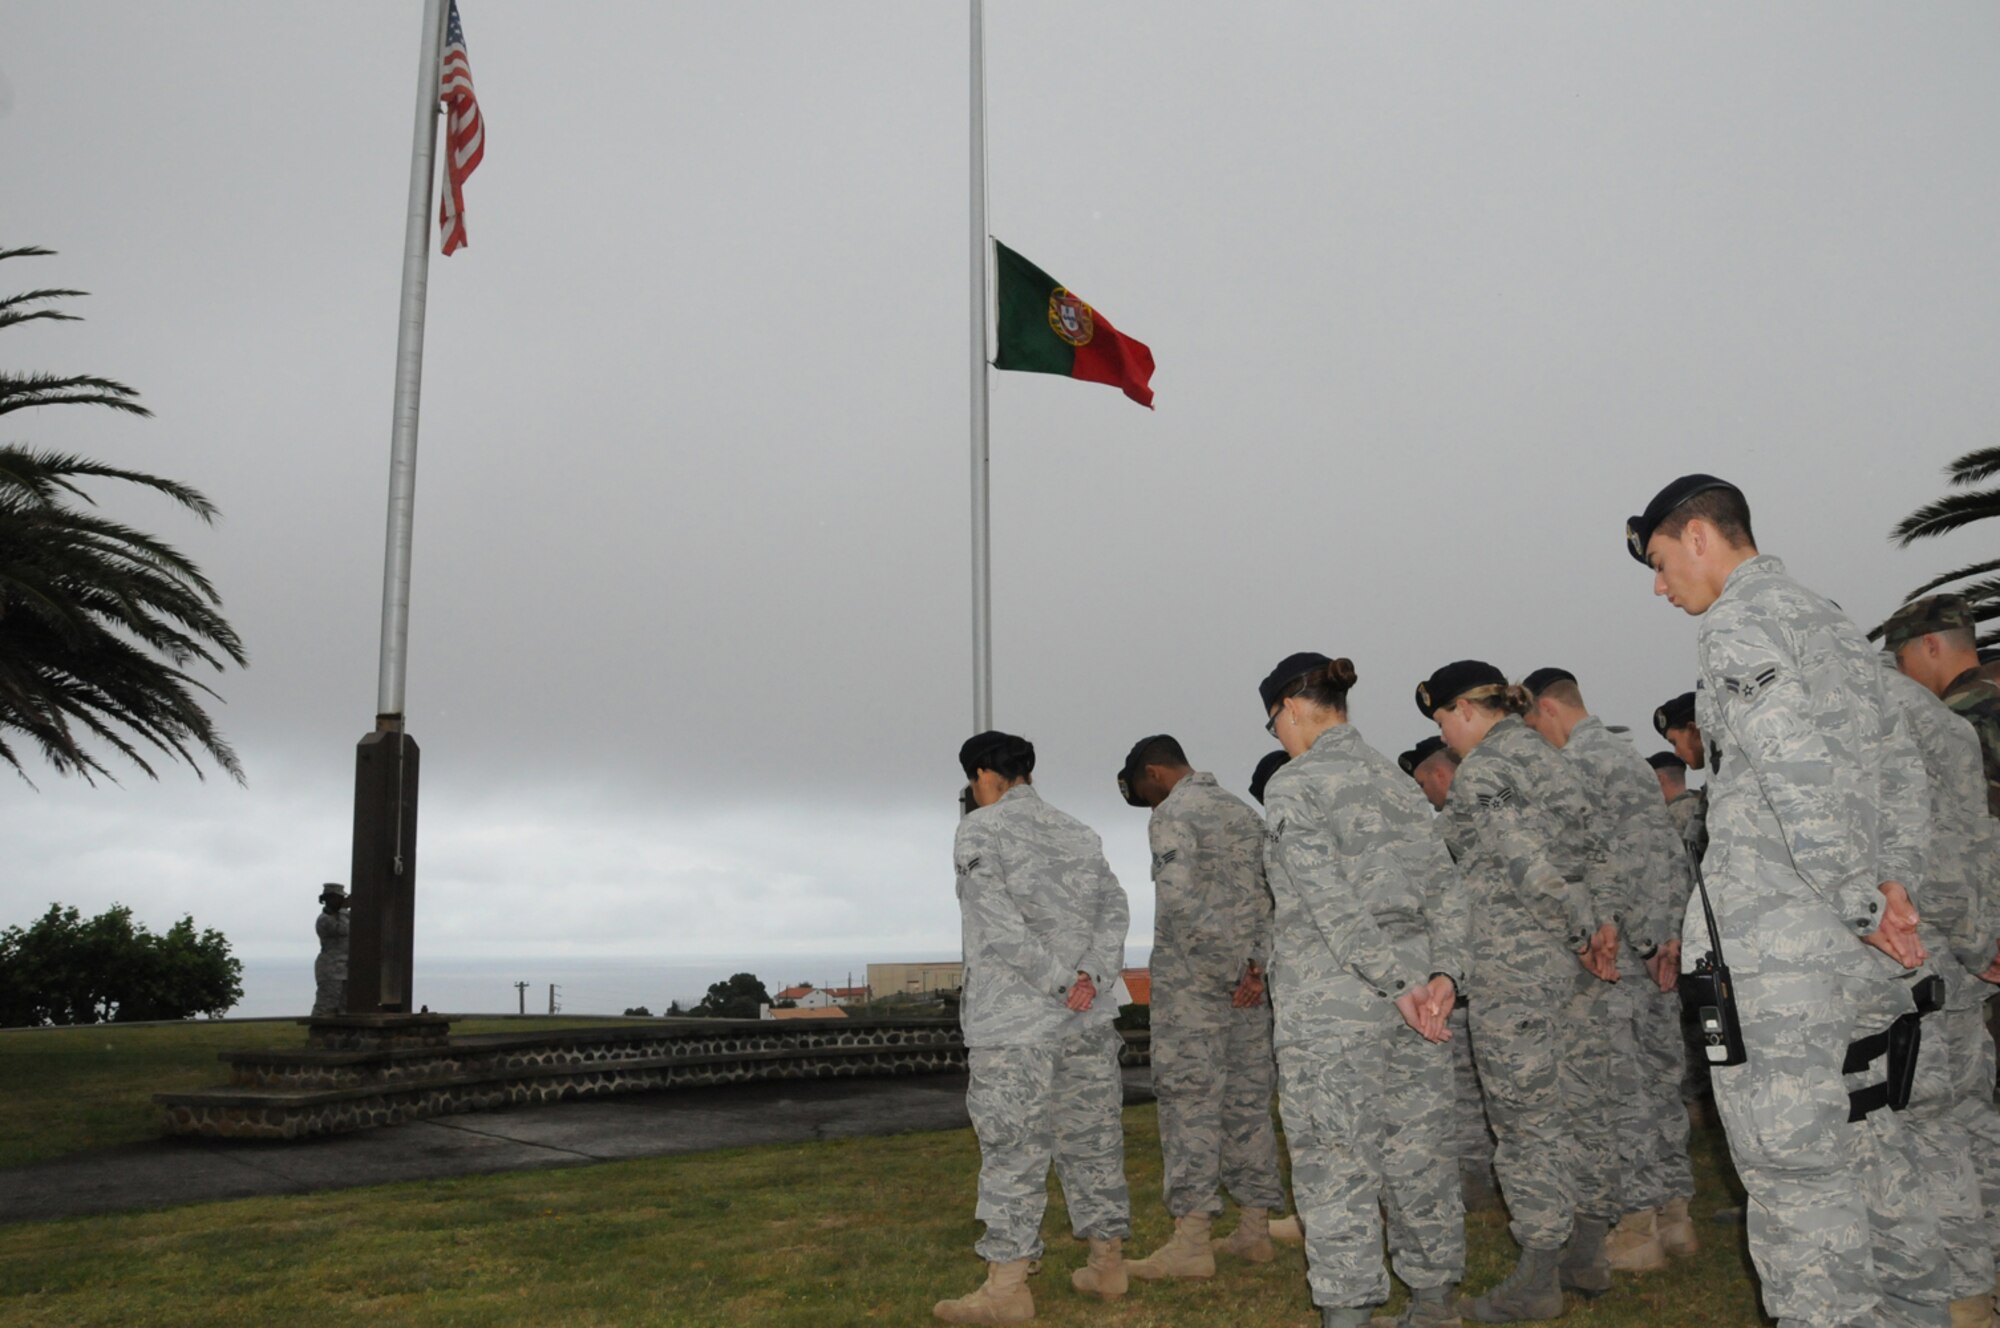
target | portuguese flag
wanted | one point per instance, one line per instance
(1046, 328)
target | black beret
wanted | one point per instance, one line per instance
(1677, 713)
(982, 750)
(1541, 679)
(1667, 761)
(1455, 680)
(1640, 528)
(1128, 774)
(1420, 753)
(1290, 669)
(1265, 769)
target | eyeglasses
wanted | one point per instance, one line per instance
(1271, 724)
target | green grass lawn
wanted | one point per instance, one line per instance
(868, 1231)
(64, 1090)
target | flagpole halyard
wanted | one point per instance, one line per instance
(982, 547)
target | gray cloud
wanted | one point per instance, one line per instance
(1437, 300)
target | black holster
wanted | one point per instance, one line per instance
(1900, 1043)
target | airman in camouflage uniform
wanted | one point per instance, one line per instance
(1367, 948)
(1545, 921)
(1213, 1066)
(1805, 869)
(1933, 641)
(1044, 931)
(1649, 859)
(1675, 722)
(1433, 766)
(1951, 1118)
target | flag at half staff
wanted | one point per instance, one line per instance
(1047, 328)
(465, 133)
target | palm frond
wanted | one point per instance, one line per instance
(1947, 514)
(23, 393)
(27, 251)
(1970, 569)
(1979, 464)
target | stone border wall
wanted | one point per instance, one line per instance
(302, 1094)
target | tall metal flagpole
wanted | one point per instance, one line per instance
(982, 545)
(409, 376)
(386, 760)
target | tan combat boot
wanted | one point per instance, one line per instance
(1634, 1246)
(1972, 1312)
(1186, 1255)
(1287, 1231)
(1003, 1298)
(1103, 1274)
(1252, 1238)
(1677, 1230)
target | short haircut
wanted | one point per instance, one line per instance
(1724, 508)
(1563, 692)
(1445, 754)
(1958, 638)
(1164, 750)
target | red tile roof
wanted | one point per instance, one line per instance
(1139, 981)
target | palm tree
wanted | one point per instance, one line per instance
(99, 622)
(1949, 513)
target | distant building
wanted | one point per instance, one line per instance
(886, 980)
(806, 997)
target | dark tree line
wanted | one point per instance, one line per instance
(66, 969)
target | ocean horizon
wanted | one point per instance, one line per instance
(281, 986)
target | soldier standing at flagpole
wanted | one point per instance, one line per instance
(1044, 929)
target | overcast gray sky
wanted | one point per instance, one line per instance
(1438, 297)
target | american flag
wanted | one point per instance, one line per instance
(465, 132)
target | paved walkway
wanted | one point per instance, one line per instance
(183, 1171)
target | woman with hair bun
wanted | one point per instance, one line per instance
(1367, 948)
(1542, 903)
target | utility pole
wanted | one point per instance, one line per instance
(521, 990)
(552, 998)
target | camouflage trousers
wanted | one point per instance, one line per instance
(1838, 1220)
(1950, 1121)
(1367, 1106)
(1660, 1169)
(1056, 1103)
(1214, 1073)
(1474, 1136)
(1520, 1040)
(1602, 1083)
(330, 980)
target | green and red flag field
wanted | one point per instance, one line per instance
(1047, 328)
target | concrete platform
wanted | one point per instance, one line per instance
(172, 1172)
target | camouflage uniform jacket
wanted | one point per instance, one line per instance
(1689, 810)
(1367, 902)
(1815, 793)
(1959, 897)
(1037, 905)
(1536, 866)
(1213, 909)
(1975, 694)
(1647, 854)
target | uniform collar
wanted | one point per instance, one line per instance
(1752, 568)
(1026, 792)
(1197, 777)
